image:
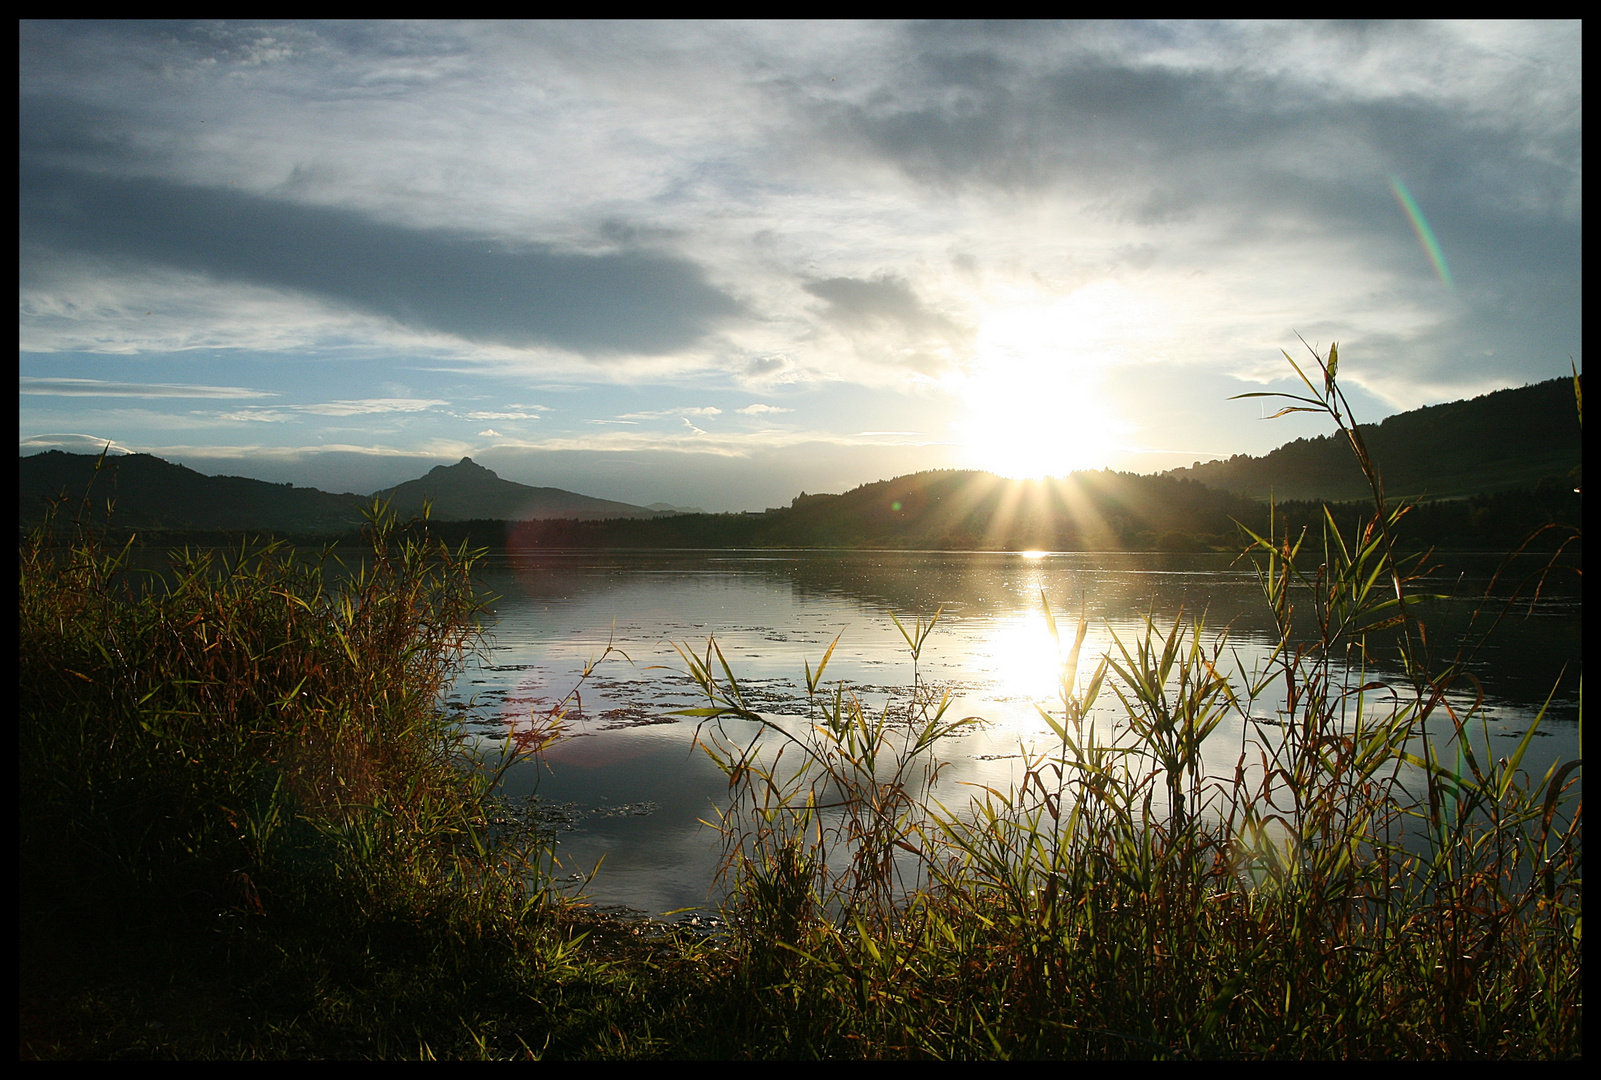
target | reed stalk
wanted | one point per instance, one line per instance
(1342, 891)
(238, 776)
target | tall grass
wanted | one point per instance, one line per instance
(1364, 881)
(243, 803)
(240, 793)
(182, 732)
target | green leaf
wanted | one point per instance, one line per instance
(1051, 722)
(812, 679)
(1517, 755)
(1318, 405)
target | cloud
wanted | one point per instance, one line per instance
(444, 449)
(759, 409)
(505, 415)
(728, 209)
(767, 367)
(697, 440)
(888, 324)
(258, 416)
(883, 300)
(518, 294)
(72, 444)
(103, 388)
(691, 410)
(490, 433)
(369, 406)
(360, 407)
(1157, 115)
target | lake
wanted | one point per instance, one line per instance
(628, 784)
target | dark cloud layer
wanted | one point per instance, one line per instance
(916, 216)
(628, 302)
(1261, 156)
(853, 302)
(1097, 117)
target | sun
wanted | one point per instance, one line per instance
(1026, 420)
(1032, 396)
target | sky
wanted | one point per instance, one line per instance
(718, 264)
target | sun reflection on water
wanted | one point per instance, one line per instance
(1022, 658)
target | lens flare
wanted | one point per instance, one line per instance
(1032, 394)
(1420, 225)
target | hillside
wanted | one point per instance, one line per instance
(1506, 440)
(466, 490)
(941, 509)
(153, 494)
(966, 509)
(1505, 463)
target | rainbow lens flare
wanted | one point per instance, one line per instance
(1420, 225)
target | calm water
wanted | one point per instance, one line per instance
(628, 783)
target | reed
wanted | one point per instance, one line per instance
(1343, 892)
(250, 829)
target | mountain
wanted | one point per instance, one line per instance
(152, 494)
(953, 508)
(467, 491)
(948, 509)
(1509, 439)
(1505, 462)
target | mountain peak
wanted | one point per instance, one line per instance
(466, 491)
(465, 465)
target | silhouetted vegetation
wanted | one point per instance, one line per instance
(152, 494)
(249, 828)
(1483, 472)
(467, 490)
(1507, 440)
(951, 510)
(1346, 891)
(156, 496)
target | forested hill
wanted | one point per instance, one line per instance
(957, 510)
(467, 490)
(150, 493)
(1509, 439)
(942, 509)
(1493, 469)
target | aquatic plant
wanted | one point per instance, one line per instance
(239, 792)
(239, 773)
(1365, 881)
